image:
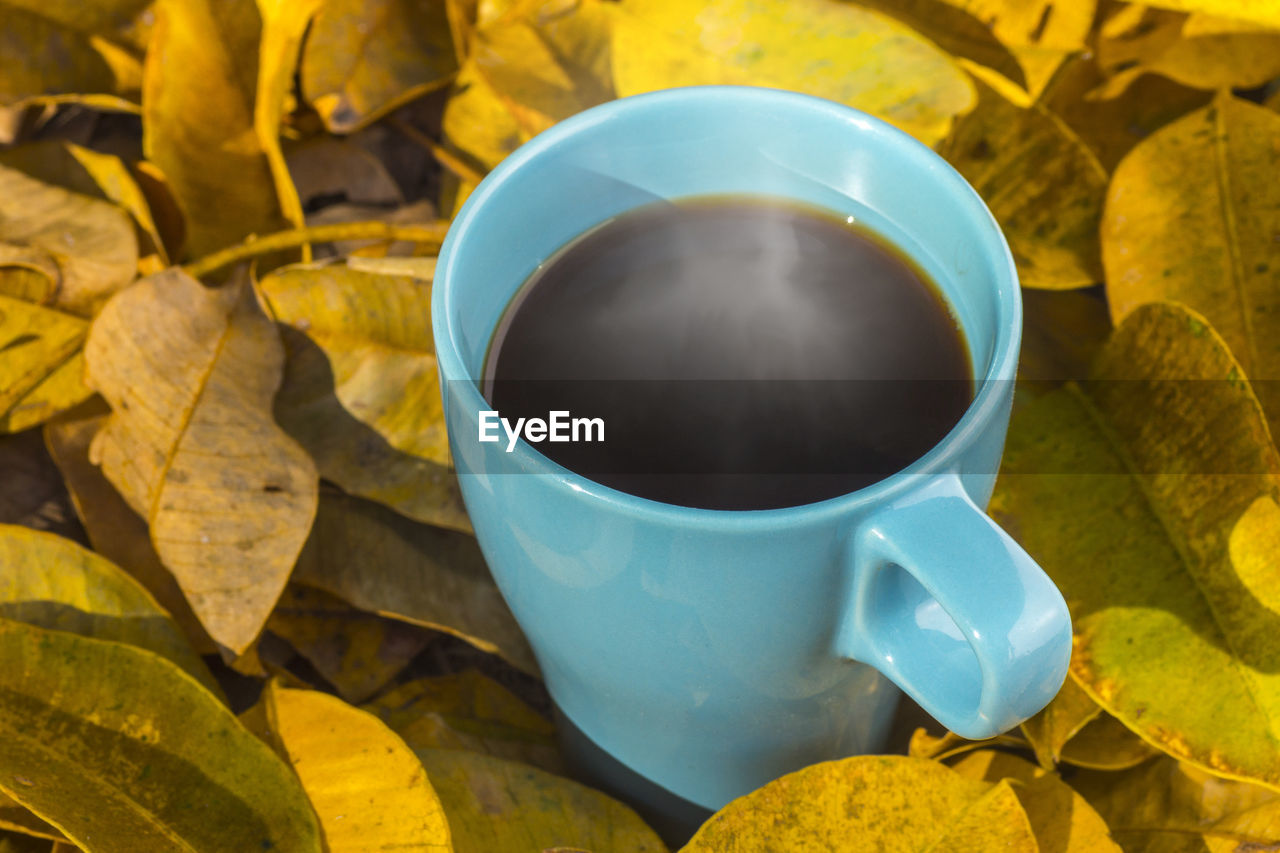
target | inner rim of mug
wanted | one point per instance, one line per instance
(1000, 366)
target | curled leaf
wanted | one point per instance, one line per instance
(189, 373)
(41, 362)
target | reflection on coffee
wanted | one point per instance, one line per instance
(742, 353)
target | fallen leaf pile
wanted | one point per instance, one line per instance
(241, 608)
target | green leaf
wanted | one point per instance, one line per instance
(121, 750)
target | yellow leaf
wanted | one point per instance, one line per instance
(51, 46)
(364, 59)
(1205, 58)
(468, 711)
(29, 273)
(1106, 744)
(1126, 489)
(368, 789)
(549, 62)
(91, 241)
(880, 802)
(495, 805)
(361, 390)
(385, 563)
(121, 750)
(1111, 128)
(821, 47)
(1040, 33)
(477, 122)
(1061, 819)
(1264, 12)
(16, 817)
(14, 842)
(41, 362)
(1044, 186)
(1192, 216)
(54, 583)
(373, 333)
(358, 653)
(198, 120)
(115, 530)
(1069, 712)
(90, 173)
(189, 373)
(1061, 333)
(1166, 798)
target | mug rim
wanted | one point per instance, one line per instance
(939, 459)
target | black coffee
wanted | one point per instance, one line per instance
(740, 353)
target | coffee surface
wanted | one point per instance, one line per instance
(741, 353)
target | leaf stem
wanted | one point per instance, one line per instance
(430, 235)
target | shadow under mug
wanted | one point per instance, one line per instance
(711, 651)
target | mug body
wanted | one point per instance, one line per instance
(708, 650)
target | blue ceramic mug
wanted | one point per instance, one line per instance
(710, 651)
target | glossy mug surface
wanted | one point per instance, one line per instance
(711, 651)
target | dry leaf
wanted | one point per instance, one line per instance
(41, 363)
(1165, 798)
(199, 92)
(364, 59)
(1126, 489)
(189, 373)
(1162, 44)
(116, 531)
(327, 170)
(468, 711)
(121, 750)
(16, 817)
(91, 242)
(361, 390)
(51, 46)
(1069, 712)
(1042, 183)
(1263, 12)
(367, 788)
(496, 805)
(31, 492)
(821, 47)
(1193, 216)
(358, 653)
(383, 562)
(53, 583)
(1060, 818)
(889, 803)
(90, 173)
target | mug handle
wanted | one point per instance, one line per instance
(953, 611)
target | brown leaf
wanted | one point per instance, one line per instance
(190, 373)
